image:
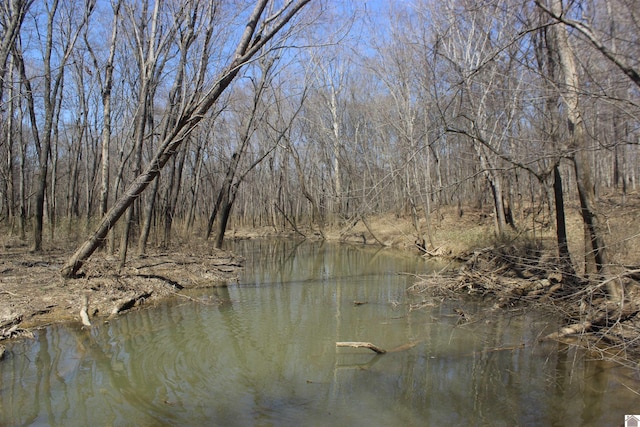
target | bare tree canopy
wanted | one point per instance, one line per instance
(260, 29)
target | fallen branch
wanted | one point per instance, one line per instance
(9, 293)
(358, 344)
(11, 322)
(434, 253)
(576, 329)
(8, 333)
(163, 279)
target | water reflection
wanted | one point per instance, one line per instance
(267, 356)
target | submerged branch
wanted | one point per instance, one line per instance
(359, 344)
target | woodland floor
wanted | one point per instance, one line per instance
(514, 271)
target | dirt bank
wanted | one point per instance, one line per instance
(33, 294)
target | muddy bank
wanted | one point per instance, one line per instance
(33, 294)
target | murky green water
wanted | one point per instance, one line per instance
(267, 357)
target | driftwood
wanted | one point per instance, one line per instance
(8, 333)
(359, 344)
(605, 315)
(14, 331)
(575, 329)
(379, 350)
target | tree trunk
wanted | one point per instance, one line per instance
(189, 118)
(148, 217)
(316, 214)
(11, 137)
(570, 88)
(225, 212)
(225, 190)
(106, 113)
(561, 228)
(196, 187)
(52, 89)
(41, 188)
(173, 192)
(14, 12)
(496, 190)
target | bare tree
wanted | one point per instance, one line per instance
(596, 260)
(106, 90)
(13, 14)
(186, 21)
(52, 75)
(489, 96)
(258, 31)
(610, 52)
(330, 75)
(546, 61)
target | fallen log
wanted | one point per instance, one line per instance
(575, 329)
(359, 344)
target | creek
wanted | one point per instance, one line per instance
(262, 352)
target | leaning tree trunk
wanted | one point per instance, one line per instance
(247, 47)
(225, 212)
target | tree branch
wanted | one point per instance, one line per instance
(587, 32)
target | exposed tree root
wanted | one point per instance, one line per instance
(128, 303)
